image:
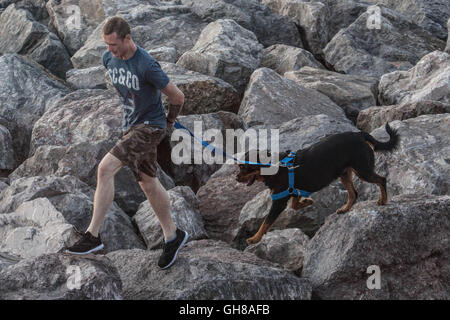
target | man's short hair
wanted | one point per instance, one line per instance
(117, 25)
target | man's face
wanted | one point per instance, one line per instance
(115, 45)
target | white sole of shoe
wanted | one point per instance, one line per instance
(100, 247)
(186, 236)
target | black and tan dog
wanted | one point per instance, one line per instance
(335, 156)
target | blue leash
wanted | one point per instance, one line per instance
(178, 125)
(287, 162)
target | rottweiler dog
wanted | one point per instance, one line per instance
(339, 155)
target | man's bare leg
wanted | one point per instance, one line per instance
(160, 202)
(104, 193)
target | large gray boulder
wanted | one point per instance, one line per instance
(269, 27)
(61, 277)
(75, 20)
(88, 78)
(285, 247)
(20, 33)
(398, 45)
(73, 200)
(185, 214)
(420, 164)
(427, 80)
(271, 99)
(24, 102)
(225, 50)
(206, 270)
(371, 118)
(283, 58)
(407, 240)
(351, 92)
(311, 17)
(33, 229)
(203, 94)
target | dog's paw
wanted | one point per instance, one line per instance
(252, 240)
(341, 211)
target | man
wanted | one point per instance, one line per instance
(139, 80)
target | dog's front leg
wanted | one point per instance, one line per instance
(277, 207)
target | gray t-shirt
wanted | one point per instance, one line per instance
(139, 81)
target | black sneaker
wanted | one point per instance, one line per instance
(170, 249)
(87, 244)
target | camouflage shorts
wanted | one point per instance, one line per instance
(137, 149)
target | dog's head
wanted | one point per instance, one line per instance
(249, 173)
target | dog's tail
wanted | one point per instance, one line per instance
(384, 146)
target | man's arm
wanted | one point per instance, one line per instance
(176, 98)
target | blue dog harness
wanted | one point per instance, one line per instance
(288, 163)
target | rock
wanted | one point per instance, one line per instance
(342, 13)
(7, 259)
(352, 93)
(429, 14)
(405, 239)
(285, 247)
(311, 18)
(428, 80)
(420, 164)
(283, 58)
(24, 102)
(199, 164)
(271, 99)
(112, 7)
(371, 118)
(225, 50)
(74, 21)
(35, 7)
(203, 94)
(206, 270)
(253, 15)
(152, 26)
(22, 34)
(7, 158)
(89, 78)
(398, 45)
(221, 199)
(184, 212)
(35, 228)
(61, 277)
(74, 200)
(167, 54)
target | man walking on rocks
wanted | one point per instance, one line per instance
(139, 80)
